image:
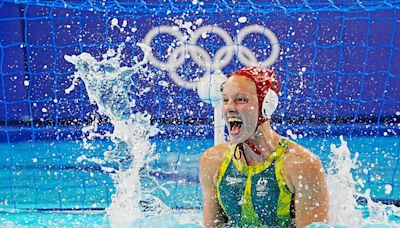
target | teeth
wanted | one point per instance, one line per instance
(233, 119)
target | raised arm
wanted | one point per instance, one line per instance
(213, 214)
(311, 196)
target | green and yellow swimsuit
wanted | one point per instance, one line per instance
(255, 195)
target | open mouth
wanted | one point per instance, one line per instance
(234, 125)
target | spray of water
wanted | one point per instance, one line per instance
(108, 86)
(342, 191)
(343, 195)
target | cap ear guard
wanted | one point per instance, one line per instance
(269, 104)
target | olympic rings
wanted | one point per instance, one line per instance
(224, 52)
(202, 58)
(246, 57)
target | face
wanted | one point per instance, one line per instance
(240, 107)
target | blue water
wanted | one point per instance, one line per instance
(38, 177)
(95, 219)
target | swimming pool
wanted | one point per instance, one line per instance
(48, 186)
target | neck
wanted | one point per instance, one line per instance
(264, 140)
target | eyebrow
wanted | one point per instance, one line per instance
(238, 94)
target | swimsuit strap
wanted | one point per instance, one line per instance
(285, 196)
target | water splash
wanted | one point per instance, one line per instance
(108, 85)
(341, 187)
(379, 212)
(343, 195)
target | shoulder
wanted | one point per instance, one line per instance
(298, 155)
(210, 161)
(301, 165)
(213, 155)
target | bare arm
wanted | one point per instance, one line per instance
(213, 214)
(311, 196)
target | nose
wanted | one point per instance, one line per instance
(231, 106)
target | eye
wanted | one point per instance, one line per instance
(242, 100)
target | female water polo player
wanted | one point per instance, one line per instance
(259, 178)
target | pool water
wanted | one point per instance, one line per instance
(175, 218)
(41, 183)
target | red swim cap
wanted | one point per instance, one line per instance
(264, 79)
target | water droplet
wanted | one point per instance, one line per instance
(388, 189)
(242, 19)
(110, 52)
(124, 23)
(114, 22)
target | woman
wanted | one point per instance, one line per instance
(259, 178)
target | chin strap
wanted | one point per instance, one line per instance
(253, 147)
(241, 150)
